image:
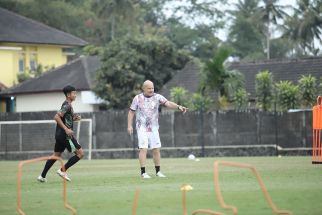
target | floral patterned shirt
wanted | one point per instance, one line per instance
(147, 111)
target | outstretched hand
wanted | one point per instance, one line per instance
(183, 109)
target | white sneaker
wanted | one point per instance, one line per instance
(63, 175)
(145, 175)
(159, 174)
(41, 179)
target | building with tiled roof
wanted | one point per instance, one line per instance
(26, 44)
(285, 69)
(19, 29)
(187, 78)
(45, 92)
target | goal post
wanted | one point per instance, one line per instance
(38, 136)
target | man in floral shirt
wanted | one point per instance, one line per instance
(146, 106)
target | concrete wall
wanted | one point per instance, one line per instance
(209, 134)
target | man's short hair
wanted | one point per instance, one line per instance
(68, 89)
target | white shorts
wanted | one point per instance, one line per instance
(149, 139)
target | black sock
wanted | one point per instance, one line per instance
(48, 165)
(157, 169)
(142, 170)
(71, 161)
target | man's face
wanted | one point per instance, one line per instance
(72, 95)
(148, 89)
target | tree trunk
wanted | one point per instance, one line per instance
(268, 40)
(113, 27)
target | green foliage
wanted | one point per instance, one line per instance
(280, 47)
(223, 103)
(179, 95)
(62, 15)
(216, 77)
(200, 102)
(127, 62)
(241, 99)
(39, 70)
(100, 21)
(92, 50)
(308, 92)
(32, 74)
(199, 41)
(115, 18)
(23, 77)
(233, 82)
(244, 35)
(287, 95)
(214, 72)
(304, 27)
(264, 90)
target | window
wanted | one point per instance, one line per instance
(33, 62)
(22, 65)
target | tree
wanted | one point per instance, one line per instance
(305, 26)
(127, 62)
(216, 77)
(111, 13)
(62, 15)
(200, 41)
(244, 33)
(287, 95)
(308, 92)
(189, 11)
(280, 47)
(264, 90)
(270, 13)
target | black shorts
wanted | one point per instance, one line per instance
(71, 144)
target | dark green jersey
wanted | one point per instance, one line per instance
(66, 113)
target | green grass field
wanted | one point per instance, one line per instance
(102, 187)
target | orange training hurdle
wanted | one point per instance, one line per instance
(231, 207)
(317, 127)
(19, 174)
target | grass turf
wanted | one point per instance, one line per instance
(107, 187)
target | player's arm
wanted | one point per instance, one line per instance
(130, 117)
(60, 122)
(174, 106)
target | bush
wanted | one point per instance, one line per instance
(308, 92)
(241, 99)
(23, 76)
(179, 95)
(264, 90)
(200, 102)
(287, 95)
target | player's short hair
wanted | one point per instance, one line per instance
(67, 89)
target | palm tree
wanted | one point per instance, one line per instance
(218, 78)
(244, 33)
(305, 25)
(270, 13)
(113, 11)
